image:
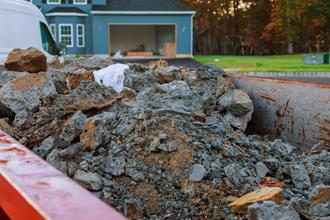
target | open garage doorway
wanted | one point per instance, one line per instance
(142, 41)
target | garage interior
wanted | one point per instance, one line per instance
(142, 41)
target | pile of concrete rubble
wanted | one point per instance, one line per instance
(170, 145)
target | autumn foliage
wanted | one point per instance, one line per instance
(260, 26)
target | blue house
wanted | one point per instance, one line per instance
(161, 28)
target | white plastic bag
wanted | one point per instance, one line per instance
(112, 75)
(117, 55)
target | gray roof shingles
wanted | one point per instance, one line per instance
(141, 5)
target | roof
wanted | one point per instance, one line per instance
(66, 10)
(142, 6)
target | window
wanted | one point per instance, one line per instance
(80, 2)
(80, 35)
(48, 43)
(53, 30)
(66, 34)
(54, 2)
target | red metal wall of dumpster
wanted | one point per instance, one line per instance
(32, 189)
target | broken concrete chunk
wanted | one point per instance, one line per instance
(128, 93)
(261, 169)
(172, 97)
(233, 173)
(269, 210)
(209, 71)
(73, 126)
(167, 74)
(169, 146)
(95, 132)
(319, 199)
(72, 150)
(115, 164)
(272, 164)
(88, 180)
(55, 159)
(6, 76)
(30, 60)
(24, 92)
(239, 122)
(267, 193)
(198, 172)
(74, 79)
(300, 176)
(125, 126)
(281, 148)
(46, 147)
(319, 194)
(237, 102)
(223, 86)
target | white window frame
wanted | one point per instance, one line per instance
(60, 33)
(80, 3)
(54, 3)
(51, 27)
(83, 35)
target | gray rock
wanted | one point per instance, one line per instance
(237, 102)
(72, 150)
(125, 126)
(115, 164)
(319, 199)
(173, 97)
(239, 122)
(169, 147)
(73, 126)
(21, 118)
(209, 71)
(272, 164)
(269, 210)
(300, 176)
(92, 63)
(6, 76)
(91, 181)
(198, 173)
(96, 132)
(54, 159)
(261, 169)
(24, 93)
(136, 175)
(47, 146)
(233, 173)
(283, 149)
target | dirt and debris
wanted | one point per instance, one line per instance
(171, 145)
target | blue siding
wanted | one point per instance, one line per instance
(97, 27)
(100, 27)
(74, 20)
(45, 8)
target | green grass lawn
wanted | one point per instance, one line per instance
(276, 63)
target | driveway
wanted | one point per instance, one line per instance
(189, 63)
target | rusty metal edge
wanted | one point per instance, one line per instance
(52, 194)
(279, 80)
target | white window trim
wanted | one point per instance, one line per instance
(83, 35)
(66, 14)
(55, 32)
(54, 3)
(80, 3)
(60, 34)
